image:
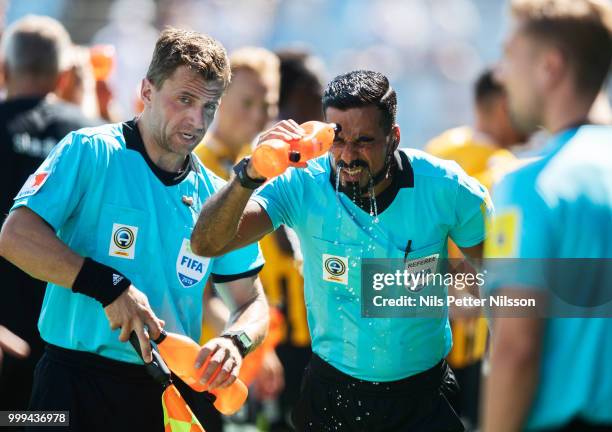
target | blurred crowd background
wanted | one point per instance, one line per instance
(431, 50)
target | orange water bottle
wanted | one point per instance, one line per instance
(180, 353)
(273, 157)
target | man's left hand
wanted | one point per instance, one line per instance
(225, 357)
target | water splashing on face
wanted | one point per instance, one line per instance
(338, 168)
(373, 205)
(338, 205)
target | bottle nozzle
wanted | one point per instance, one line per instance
(294, 156)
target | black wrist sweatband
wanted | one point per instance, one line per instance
(100, 282)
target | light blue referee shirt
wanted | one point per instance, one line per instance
(560, 206)
(434, 200)
(106, 200)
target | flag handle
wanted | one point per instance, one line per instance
(157, 368)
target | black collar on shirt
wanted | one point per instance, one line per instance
(403, 177)
(133, 141)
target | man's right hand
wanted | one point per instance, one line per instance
(131, 312)
(285, 130)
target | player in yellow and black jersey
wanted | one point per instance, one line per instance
(483, 151)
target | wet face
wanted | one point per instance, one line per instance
(247, 108)
(523, 75)
(181, 110)
(361, 149)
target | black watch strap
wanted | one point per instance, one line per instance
(241, 173)
(241, 340)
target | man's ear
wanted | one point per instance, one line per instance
(64, 83)
(554, 67)
(146, 91)
(395, 137)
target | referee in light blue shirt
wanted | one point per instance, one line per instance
(106, 220)
(555, 374)
(365, 374)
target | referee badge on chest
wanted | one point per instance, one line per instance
(190, 268)
(335, 269)
(123, 241)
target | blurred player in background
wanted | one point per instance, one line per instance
(554, 374)
(301, 90)
(78, 85)
(250, 103)
(36, 58)
(483, 152)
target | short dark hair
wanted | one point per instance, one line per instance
(201, 53)
(362, 88)
(581, 29)
(487, 88)
(296, 68)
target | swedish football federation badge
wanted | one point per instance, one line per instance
(190, 268)
(123, 241)
(335, 269)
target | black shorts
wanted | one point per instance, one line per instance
(334, 401)
(579, 425)
(107, 395)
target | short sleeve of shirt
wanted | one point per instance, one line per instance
(518, 236)
(282, 198)
(473, 206)
(55, 189)
(238, 264)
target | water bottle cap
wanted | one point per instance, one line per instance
(162, 336)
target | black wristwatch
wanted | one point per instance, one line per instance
(241, 172)
(242, 341)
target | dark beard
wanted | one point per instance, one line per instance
(351, 189)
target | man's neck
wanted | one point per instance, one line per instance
(385, 182)
(27, 89)
(565, 110)
(166, 161)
